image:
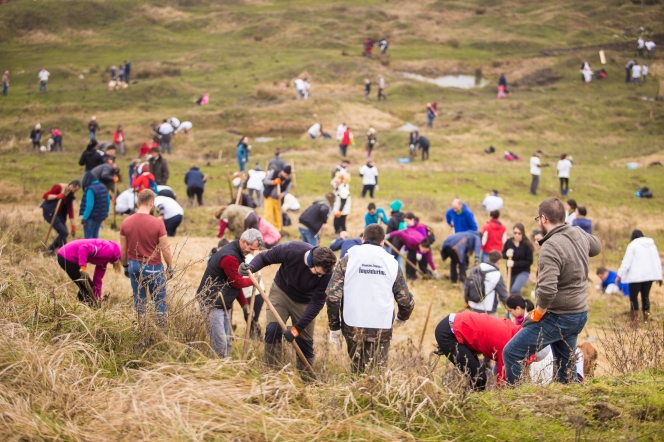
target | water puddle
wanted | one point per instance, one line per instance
(456, 81)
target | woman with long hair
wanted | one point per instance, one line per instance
(341, 209)
(523, 258)
(640, 267)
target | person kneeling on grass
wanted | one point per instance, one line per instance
(414, 237)
(74, 258)
(610, 283)
(221, 285)
(360, 300)
(298, 292)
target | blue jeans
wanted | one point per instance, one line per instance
(430, 120)
(218, 323)
(152, 278)
(518, 281)
(93, 135)
(166, 146)
(5, 89)
(241, 165)
(42, 86)
(484, 257)
(91, 228)
(309, 237)
(559, 331)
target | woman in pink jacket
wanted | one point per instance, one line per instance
(414, 237)
(74, 257)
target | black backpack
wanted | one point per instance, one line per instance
(473, 288)
(430, 235)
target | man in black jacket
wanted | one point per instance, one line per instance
(221, 285)
(298, 292)
(396, 218)
(91, 157)
(159, 167)
(314, 220)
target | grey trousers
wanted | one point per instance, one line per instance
(533, 184)
(218, 324)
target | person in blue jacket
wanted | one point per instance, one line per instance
(458, 248)
(195, 181)
(242, 153)
(460, 217)
(97, 205)
(375, 216)
(344, 243)
(609, 285)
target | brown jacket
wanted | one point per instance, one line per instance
(562, 285)
(236, 214)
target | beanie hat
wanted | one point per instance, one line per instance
(287, 169)
(396, 205)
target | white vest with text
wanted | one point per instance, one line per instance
(368, 298)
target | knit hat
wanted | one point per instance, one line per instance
(396, 205)
(287, 169)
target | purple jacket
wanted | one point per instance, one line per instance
(99, 252)
(411, 237)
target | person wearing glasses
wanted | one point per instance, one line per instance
(522, 258)
(298, 292)
(561, 292)
(221, 285)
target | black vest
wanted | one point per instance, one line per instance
(215, 290)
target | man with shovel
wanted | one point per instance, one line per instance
(58, 203)
(298, 292)
(360, 300)
(221, 285)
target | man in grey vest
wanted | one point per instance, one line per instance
(221, 285)
(360, 300)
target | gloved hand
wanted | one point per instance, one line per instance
(531, 318)
(400, 322)
(244, 269)
(126, 271)
(246, 310)
(169, 273)
(73, 231)
(418, 257)
(60, 196)
(82, 222)
(338, 214)
(335, 337)
(276, 182)
(510, 264)
(84, 272)
(115, 179)
(387, 236)
(660, 283)
(436, 275)
(291, 333)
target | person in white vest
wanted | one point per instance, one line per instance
(360, 300)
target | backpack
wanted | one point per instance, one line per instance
(430, 235)
(473, 288)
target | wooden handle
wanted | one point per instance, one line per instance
(57, 207)
(426, 321)
(249, 319)
(281, 323)
(404, 257)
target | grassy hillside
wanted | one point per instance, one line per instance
(75, 374)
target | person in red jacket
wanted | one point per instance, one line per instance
(58, 203)
(144, 180)
(462, 335)
(494, 235)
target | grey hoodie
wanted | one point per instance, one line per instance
(562, 269)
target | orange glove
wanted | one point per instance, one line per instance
(60, 196)
(83, 269)
(73, 231)
(276, 182)
(338, 214)
(535, 316)
(115, 179)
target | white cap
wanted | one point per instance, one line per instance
(237, 181)
(37, 126)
